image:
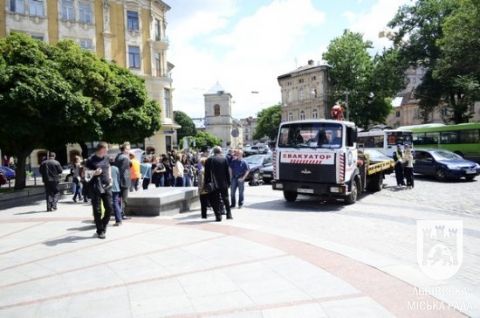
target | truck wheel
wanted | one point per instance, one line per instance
(353, 196)
(290, 196)
(375, 183)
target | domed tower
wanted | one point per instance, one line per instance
(218, 114)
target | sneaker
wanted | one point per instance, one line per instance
(102, 236)
(117, 224)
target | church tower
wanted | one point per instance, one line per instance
(218, 114)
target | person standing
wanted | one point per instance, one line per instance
(409, 167)
(146, 172)
(158, 173)
(77, 180)
(98, 166)
(239, 171)
(187, 170)
(217, 174)
(398, 158)
(51, 171)
(85, 189)
(122, 161)
(116, 193)
(204, 201)
(134, 172)
(178, 172)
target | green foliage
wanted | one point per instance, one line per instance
(51, 95)
(188, 127)
(370, 82)
(205, 139)
(443, 37)
(268, 120)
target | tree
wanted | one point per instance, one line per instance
(370, 82)
(188, 127)
(205, 139)
(458, 66)
(268, 120)
(419, 30)
(51, 95)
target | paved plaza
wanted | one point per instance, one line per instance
(275, 259)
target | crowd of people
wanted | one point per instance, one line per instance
(106, 181)
(404, 166)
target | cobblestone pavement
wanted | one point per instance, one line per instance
(275, 259)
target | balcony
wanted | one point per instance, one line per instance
(160, 43)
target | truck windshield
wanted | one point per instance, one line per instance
(310, 135)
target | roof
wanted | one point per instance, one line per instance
(301, 69)
(320, 121)
(397, 101)
(216, 89)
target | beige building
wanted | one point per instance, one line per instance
(218, 117)
(130, 33)
(249, 125)
(406, 111)
(305, 92)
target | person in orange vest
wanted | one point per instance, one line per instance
(134, 172)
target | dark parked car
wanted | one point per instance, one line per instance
(255, 163)
(266, 174)
(444, 164)
(8, 172)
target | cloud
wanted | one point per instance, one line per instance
(244, 55)
(373, 21)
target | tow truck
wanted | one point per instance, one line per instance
(321, 158)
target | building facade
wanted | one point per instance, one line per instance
(249, 125)
(131, 34)
(305, 92)
(406, 110)
(218, 117)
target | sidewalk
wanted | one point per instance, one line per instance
(51, 265)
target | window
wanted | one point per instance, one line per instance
(132, 21)
(290, 116)
(300, 80)
(449, 137)
(315, 114)
(85, 10)
(397, 113)
(38, 37)
(216, 110)
(36, 8)
(68, 10)
(470, 136)
(134, 57)
(300, 94)
(158, 65)
(315, 92)
(158, 30)
(311, 135)
(168, 102)
(302, 115)
(314, 78)
(17, 6)
(86, 44)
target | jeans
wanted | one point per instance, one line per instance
(77, 190)
(117, 208)
(179, 181)
(124, 197)
(159, 181)
(237, 183)
(134, 185)
(145, 183)
(101, 222)
(187, 180)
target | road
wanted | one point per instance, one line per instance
(275, 259)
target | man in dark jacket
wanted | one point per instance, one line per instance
(217, 173)
(122, 162)
(51, 171)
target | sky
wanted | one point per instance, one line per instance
(245, 44)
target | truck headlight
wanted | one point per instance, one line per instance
(335, 189)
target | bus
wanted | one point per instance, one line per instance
(462, 139)
(384, 140)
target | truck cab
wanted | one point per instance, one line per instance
(317, 157)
